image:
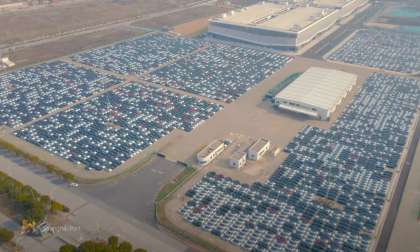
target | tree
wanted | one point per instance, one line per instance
(68, 248)
(56, 207)
(6, 235)
(87, 246)
(113, 242)
(125, 247)
(69, 177)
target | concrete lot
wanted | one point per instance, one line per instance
(253, 117)
(95, 219)
(135, 194)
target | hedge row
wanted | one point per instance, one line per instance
(36, 160)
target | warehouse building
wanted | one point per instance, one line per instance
(210, 152)
(238, 159)
(280, 26)
(258, 149)
(316, 93)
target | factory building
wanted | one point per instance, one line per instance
(316, 93)
(258, 149)
(210, 152)
(280, 26)
(238, 159)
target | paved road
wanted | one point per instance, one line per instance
(93, 218)
(331, 41)
(396, 199)
(135, 194)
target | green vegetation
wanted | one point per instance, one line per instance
(179, 180)
(6, 235)
(160, 215)
(112, 245)
(281, 85)
(35, 160)
(26, 201)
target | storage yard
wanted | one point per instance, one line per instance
(232, 145)
(57, 83)
(98, 119)
(221, 72)
(329, 192)
(139, 55)
(384, 49)
(110, 129)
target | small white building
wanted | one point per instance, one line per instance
(210, 152)
(316, 93)
(7, 62)
(258, 149)
(238, 159)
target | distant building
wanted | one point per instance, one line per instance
(210, 152)
(258, 149)
(238, 159)
(316, 93)
(283, 26)
(7, 62)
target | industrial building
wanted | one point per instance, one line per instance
(281, 26)
(210, 152)
(238, 159)
(258, 149)
(316, 93)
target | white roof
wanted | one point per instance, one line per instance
(332, 3)
(276, 16)
(319, 87)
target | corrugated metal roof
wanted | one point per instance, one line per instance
(319, 87)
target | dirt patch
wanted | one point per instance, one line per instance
(55, 20)
(59, 48)
(192, 28)
(182, 17)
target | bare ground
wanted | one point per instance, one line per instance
(58, 48)
(30, 24)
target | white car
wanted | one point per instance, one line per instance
(73, 184)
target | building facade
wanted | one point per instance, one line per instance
(210, 152)
(258, 149)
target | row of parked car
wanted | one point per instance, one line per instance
(200, 66)
(111, 128)
(220, 71)
(329, 192)
(385, 49)
(140, 55)
(33, 92)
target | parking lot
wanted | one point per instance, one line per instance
(329, 193)
(384, 49)
(109, 129)
(33, 92)
(139, 55)
(220, 71)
